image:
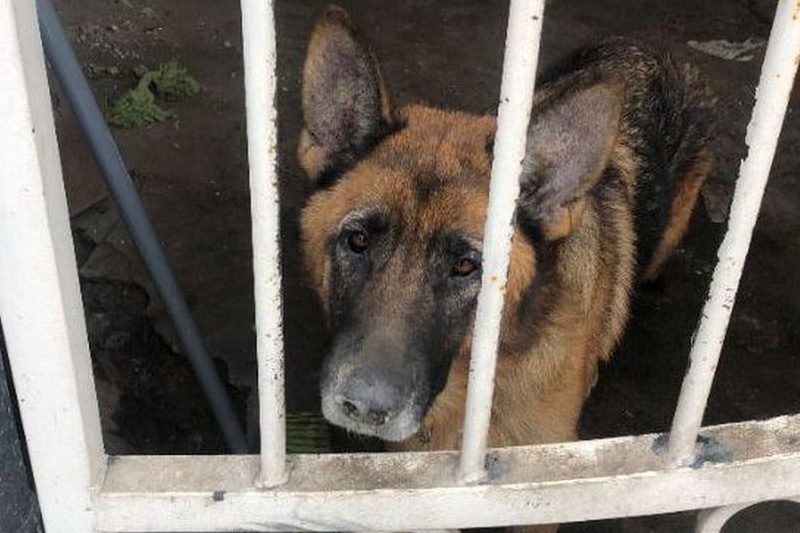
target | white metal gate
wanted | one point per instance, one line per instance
(83, 490)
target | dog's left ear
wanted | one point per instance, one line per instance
(570, 140)
(346, 104)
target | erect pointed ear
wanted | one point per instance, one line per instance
(346, 105)
(570, 140)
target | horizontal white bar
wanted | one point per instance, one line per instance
(395, 492)
(513, 116)
(40, 302)
(258, 35)
(772, 99)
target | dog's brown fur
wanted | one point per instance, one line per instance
(573, 266)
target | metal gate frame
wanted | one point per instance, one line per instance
(83, 490)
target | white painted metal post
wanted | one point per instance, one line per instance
(258, 35)
(40, 302)
(514, 111)
(772, 98)
(713, 520)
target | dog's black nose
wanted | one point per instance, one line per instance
(370, 399)
(361, 412)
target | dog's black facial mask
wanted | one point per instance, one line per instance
(399, 311)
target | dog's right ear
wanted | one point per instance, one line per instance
(346, 105)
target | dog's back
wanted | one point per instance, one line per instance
(667, 122)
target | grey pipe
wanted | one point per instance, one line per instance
(70, 76)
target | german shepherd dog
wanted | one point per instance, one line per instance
(617, 151)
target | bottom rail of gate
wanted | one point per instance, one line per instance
(735, 464)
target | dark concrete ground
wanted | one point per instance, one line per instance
(192, 175)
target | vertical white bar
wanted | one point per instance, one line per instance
(514, 111)
(772, 98)
(258, 35)
(40, 301)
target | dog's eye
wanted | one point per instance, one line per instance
(358, 241)
(464, 267)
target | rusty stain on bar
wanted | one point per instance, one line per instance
(258, 36)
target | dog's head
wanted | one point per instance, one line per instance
(392, 235)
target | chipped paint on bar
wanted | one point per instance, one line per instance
(398, 492)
